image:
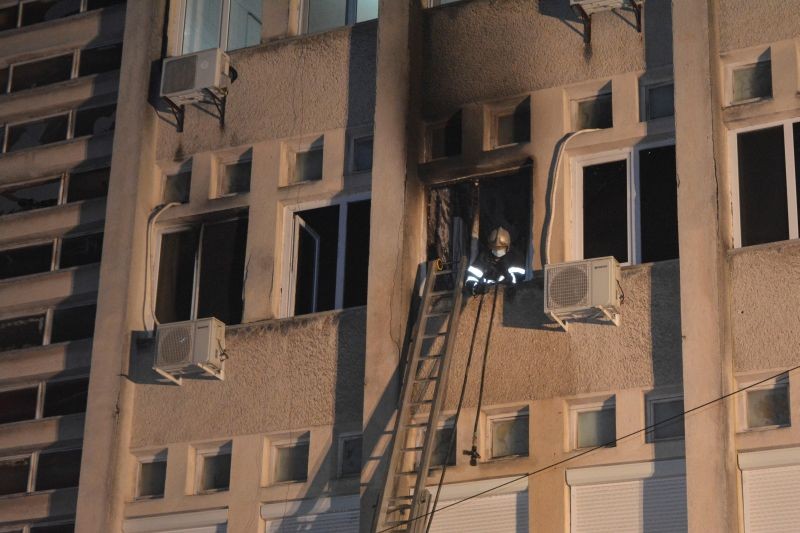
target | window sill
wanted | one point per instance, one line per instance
(36, 276)
(11, 426)
(65, 142)
(763, 428)
(738, 103)
(90, 79)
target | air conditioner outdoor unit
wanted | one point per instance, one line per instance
(189, 78)
(582, 289)
(593, 6)
(191, 347)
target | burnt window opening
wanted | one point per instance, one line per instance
(17, 405)
(81, 250)
(330, 258)
(58, 470)
(752, 82)
(99, 60)
(37, 133)
(14, 475)
(73, 323)
(54, 528)
(44, 10)
(3, 72)
(95, 120)
(512, 126)
(88, 184)
(177, 187)
(8, 19)
(22, 332)
(201, 272)
(39, 73)
(605, 210)
(594, 113)
(235, 177)
(26, 260)
(28, 197)
(658, 204)
(65, 397)
(444, 139)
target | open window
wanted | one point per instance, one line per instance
(201, 272)
(100, 59)
(26, 260)
(329, 258)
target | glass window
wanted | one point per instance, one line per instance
(39, 73)
(26, 260)
(73, 323)
(81, 250)
(65, 397)
(660, 101)
(18, 404)
(442, 445)
(595, 113)
(235, 178)
(350, 464)
(596, 428)
(152, 478)
(768, 407)
(512, 126)
(30, 196)
(291, 462)
(662, 409)
(366, 10)
(325, 14)
(244, 26)
(308, 165)
(14, 475)
(362, 154)
(21, 332)
(509, 436)
(58, 470)
(100, 59)
(215, 473)
(88, 184)
(37, 133)
(177, 187)
(202, 25)
(95, 120)
(752, 82)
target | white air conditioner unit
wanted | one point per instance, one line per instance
(191, 347)
(186, 79)
(593, 6)
(583, 289)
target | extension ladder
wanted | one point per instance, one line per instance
(399, 508)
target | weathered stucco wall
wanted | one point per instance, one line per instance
(293, 87)
(765, 21)
(764, 304)
(281, 375)
(527, 46)
(531, 358)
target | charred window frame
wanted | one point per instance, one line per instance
(55, 325)
(765, 182)
(21, 13)
(69, 187)
(445, 430)
(326, 250)
(27, 260)
(234, 175)
(443, 138)
(201, 270)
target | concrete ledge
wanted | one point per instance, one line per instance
(52, 222)
(39, 505)
(37, 434)
(626, 472)
(48, 288)
(51, 159)
(769, 458)
(45, 361)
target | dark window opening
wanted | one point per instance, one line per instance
(442, 447)
(58, 470)
(658, 204)
(14, 475)
(763, 204)
(59, 528)
(152, 478)
(291, 463)
(18, 404)
(88, 184)
(25, 261)
(29, 197)
(176, 276)
(73, 323)
(65, 397)
(605, 210)
(445, 139)
(44, 10)
(595, 113)
(3, 75)
(357, 254)
(44, 72)
(796, 134)
(81, 250)
(660, 101)
(362, 154)
(95, 120)
(514, 127)
(97, 4)
(177, 187)
(235, 178)
(101, 59)
(37, 133)
(308, 165)
(21, 332)
(8, 18)
(216, 473)
(316, 250)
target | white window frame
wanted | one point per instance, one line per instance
(491, 419)
(791, 182)
(607, 403)
(203, 451)
(781, 381)
(288, 282)
(350, 435)
(34, 469)
(655, 397)
(154, 456)
(19, 3)
(289, 152)
(287, 441)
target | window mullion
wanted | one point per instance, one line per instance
(340, 256)
(791, 182)
(197, 269)
(225, 24)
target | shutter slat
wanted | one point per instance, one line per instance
(770, 499)
(344, 522)
(505, 513)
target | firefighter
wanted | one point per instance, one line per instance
(495, 264)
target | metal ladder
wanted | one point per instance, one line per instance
(422, 396)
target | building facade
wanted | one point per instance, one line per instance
(301, 212)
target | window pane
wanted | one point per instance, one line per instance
(317, 272)
(605, 210)
(660, 101)
(308, 165)
(442, 445)
(235, 178)
(356, 261)
(8, 19)
(21, 332)
(27, 260)
(95, 120)
(222, 271)
(768, 407)
(658, 204)
(510, 437)
(65, 397)
(58, 470)
(665, 410)
(514, 127)
(101, 59)
(216, 472)
(60, 528)
(28, 197)
(752, 81)
(18, 404)
(362, 154)
(177, 187)
(351, 456)
(73, 323)
(14, 475)
(88, 185)
(37, 133)
(38, 73)
(326, 14)
(202, 25)
(176, 276)
(244, 28)
(366, 10)
(763, 206)
(152, 477)
(82, 250)
(596, 428)
(595, 113)
(44, 10)
(291, 463)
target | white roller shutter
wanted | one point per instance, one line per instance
(210, 521)
(323, 515)
(502, 512)
(770, 485)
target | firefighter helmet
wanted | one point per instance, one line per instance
(499, 241)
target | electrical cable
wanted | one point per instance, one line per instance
(646, 429)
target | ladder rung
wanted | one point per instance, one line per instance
(404, 498)
(408, 473)
(417, 425)
(392, 523)
(438, 314)
(398, 508)
(422, 402)
(427, 357)
(413, 449)
(426, 379)
(436, 335)
(442, 293)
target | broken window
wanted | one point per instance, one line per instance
(95, 120)
(444, 138)
(58, 470)
(81, 250)
(215, 470)
(594, 113)
(14, 475)
(291, 462)
(18, 404)
(511, 126)
(362, 153)
(88, 184)
(43, 72)
(100, 59)
(212, 288)
(73, 323)
(350, 455)
(177, 187)
(308, 165)
(65, 397)
(660, 101)
(509, 436)
(152, 478)
(443, 451)
(21, 332)
(44, 10)
(235, 178)
(330, 258)
(752, 82)
(30, 196)
(26, 260)
(37, 133)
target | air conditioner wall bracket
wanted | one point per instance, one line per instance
(166, 375)
(179, 111)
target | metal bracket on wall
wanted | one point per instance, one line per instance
(178, 110)
(586, 18)
(219, 102)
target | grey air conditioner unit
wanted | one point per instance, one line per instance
(583, 289)
(195, 77)
(190, 347)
